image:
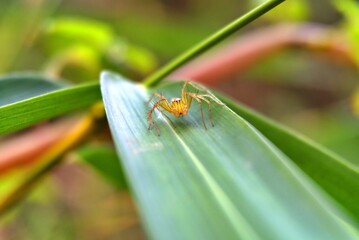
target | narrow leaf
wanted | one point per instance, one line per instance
(18, 87)
(25, 113)
(211, 41)
(228, 182)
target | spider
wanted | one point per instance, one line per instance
(179, 106)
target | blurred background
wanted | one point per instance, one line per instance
(297, 64)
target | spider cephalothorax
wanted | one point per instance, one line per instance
(179, 106)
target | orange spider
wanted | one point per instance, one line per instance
(179, 106)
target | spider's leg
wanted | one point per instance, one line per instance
(194, 96)
(163, 113)
(151, 122)
(163, 103)
(209, 107)
(149, 100)
(184, 86)
(155, 95)
(212, 98)
(200, 104)
(209, 95)
(196, 86)
(204, 98)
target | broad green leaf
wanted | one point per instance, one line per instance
(228, 182)
(336, 175)
(18, 87)
(104, 160)
(25, 113)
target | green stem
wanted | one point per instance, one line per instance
(210, 42)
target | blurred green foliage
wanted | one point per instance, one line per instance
(65, 32)
(90, 46)
(104, 159)
(294, 10)
(350, 10)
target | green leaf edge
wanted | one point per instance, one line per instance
(14, 82)
(27, 112)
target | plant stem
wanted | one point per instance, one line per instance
(209, 42)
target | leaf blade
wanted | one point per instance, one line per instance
(189, 187)
(24, 113)
(336, 175)
(18, 87)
